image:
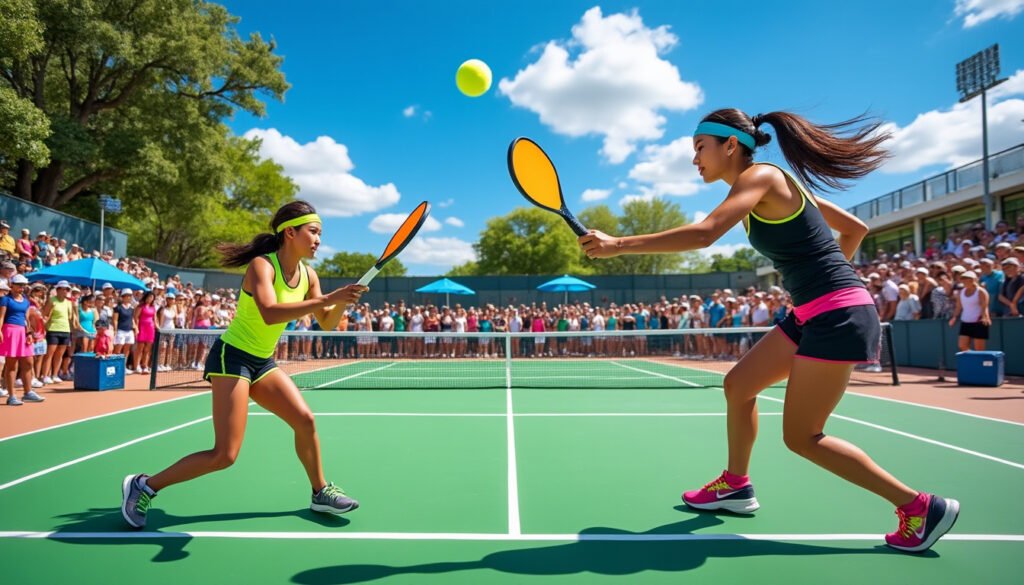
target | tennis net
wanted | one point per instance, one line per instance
(618, 359)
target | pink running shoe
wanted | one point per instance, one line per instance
(721, 495)
(924, 524)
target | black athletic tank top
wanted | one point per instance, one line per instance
(803, 250)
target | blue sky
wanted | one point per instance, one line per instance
(373, 123)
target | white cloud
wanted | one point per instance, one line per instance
(595, 194)
(325, 251)
(635, 197)
(953, 137)
(699, 216)
(623, 184)
(976, 12)
(446, 252)
(609, 80)
(323, 171)
(446, 203)
(668, 169)
(388, 223)
(726, 250)
(455, 222)
(414, 110)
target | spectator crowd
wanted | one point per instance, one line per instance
(971, 277)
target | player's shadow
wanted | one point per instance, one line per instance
(600, 557)
(172, 543)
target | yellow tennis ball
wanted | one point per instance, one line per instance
(473, 78)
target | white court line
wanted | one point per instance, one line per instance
(103, 452)
(513, 475)
(930, 407)
(98, 416)
(354, 376)
(486, 536)
(915, 437)
(521, 414)
(656, 374)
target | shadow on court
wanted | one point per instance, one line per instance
(598, 557)
(172, 548)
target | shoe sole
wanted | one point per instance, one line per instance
(332, 510)
(745, 506)
(125, 489)
(944, 526)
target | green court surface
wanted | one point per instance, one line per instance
(506, 485)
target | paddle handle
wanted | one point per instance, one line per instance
(574, 223)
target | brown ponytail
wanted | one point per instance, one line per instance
(821, 155)
(235, 255)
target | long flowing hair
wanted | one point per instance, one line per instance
(235, 255)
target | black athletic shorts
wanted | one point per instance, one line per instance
(228, 360)
(849, 334)
(977, 330)
(57, 338)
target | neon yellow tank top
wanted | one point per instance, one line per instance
(60, 318)
(247, 331)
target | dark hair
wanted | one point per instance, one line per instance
(86, 298)
(235, 255)
(821, 155)
(147, 295)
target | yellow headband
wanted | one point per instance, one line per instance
(301, 220)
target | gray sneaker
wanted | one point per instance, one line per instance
(31, 396)
(135, 501)
(12, 400)
(332, 500)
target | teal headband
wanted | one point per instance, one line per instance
(723, 131)
(301, 220)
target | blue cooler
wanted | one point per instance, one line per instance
(98, 373)
(979, 368)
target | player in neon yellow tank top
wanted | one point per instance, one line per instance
(278, 287)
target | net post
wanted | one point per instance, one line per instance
(154, 359)
(892, 354)
(508, 358)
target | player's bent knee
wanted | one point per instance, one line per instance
(222, 459)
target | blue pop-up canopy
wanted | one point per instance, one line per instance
(87, 272)
(566, 284)
(446, 287)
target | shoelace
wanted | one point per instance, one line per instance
(142, 505)
(908, 524)
(332, 490)
(717, 484)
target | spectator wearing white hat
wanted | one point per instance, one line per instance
(908, 308)
(15, 346)
(125, 329)
(61, 319)
(75, 253)
(972, 309)
(1011, 296)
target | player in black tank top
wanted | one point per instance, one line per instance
(838, 324)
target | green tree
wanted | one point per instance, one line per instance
(129, 88)
(355, 264)
(742, 259)
(470, 268)
(528, 241)
(221, 193)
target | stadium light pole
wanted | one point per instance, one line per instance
(976, 75)
(107, 203)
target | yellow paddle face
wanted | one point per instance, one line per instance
(534, 174)
(405, 232)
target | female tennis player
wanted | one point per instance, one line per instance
(277, 288)
(834, 324)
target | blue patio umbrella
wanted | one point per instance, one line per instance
(87, 272)
(446, 287)
(566, 284)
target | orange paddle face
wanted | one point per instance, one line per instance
(534, 175)
(406, 232)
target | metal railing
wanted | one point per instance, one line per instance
(1002, 163)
